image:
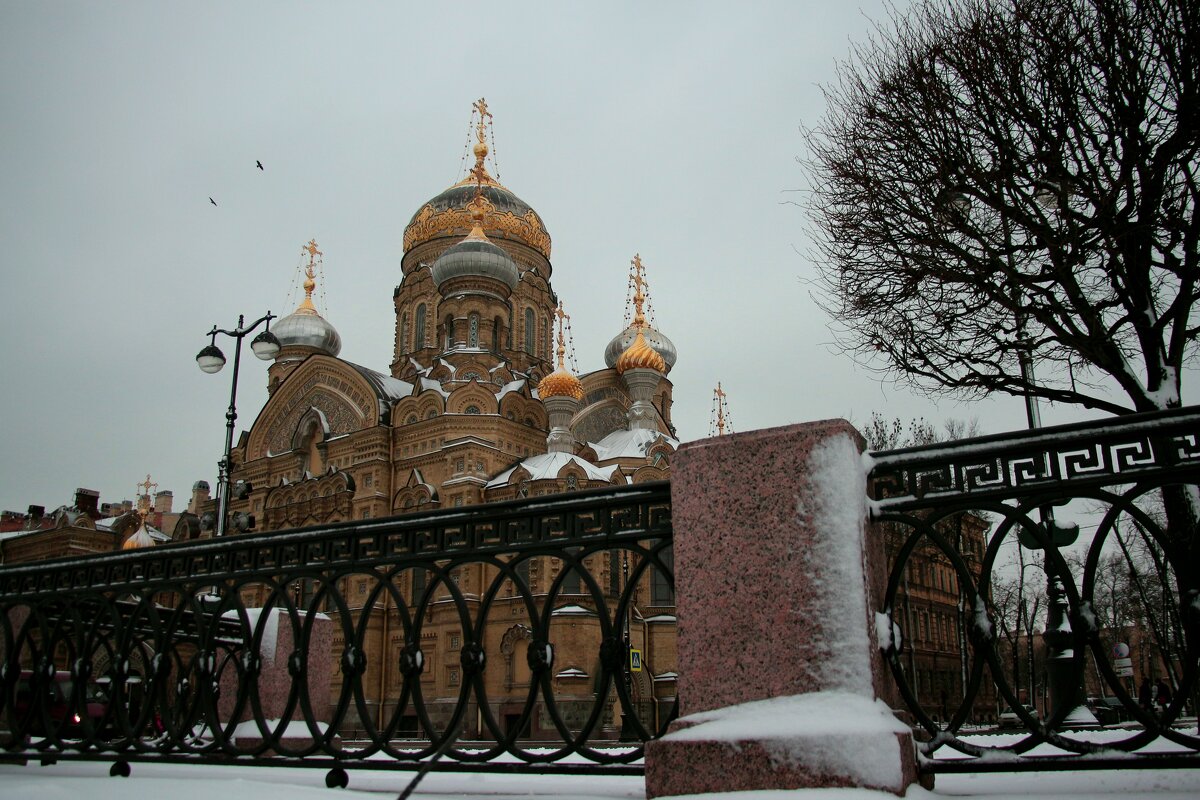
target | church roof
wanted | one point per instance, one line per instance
(386, 387)
(629, 444)
(547, 466)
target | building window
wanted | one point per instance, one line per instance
(473, 331)
(455, 642)
(458, 501)
(404, 332)
(432, 413)
(458, 466)
(661, 593)
(530, 333)
(472, 409)
(449, 331)
(572, 483)
(496, 335)
(419, 335)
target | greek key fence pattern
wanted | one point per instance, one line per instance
(1085, 533)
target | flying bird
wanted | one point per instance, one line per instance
(258, 164)
(214, 202)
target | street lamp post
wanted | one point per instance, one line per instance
(1066, 683)
(211, 360)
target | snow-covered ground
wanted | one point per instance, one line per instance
(90, 781)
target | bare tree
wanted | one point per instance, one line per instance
(1002, 183)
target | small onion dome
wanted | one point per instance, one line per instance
(304, 327)
(560, 383)
(654, 337)
(138, 539)
(478, 257)
(640, 355)
(200, 486)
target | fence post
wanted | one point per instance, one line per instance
(779, 666)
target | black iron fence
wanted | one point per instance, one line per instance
(1044, 594)
(494, 637)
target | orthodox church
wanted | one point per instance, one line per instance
(477, 405)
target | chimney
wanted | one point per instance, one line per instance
(200, 492)
(88, 501)
(163, 501)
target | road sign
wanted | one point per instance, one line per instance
(1120, 650)
(1123, 667)
(635, 660)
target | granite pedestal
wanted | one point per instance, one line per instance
(781, 681)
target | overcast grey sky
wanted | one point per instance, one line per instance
(669, 129)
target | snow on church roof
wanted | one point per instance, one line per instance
(547, 466)
(629, 444)
(429, 383)
(511, 386)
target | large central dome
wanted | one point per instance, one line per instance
(508, 217)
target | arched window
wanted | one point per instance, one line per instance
(496, 335)
(419, 335)
(404, 332)
(547, 349)
(529, 331)
(449, 331)
(472, 409)
(473, 331)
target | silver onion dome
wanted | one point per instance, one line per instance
(306, 328)
(475, 257)
(655, 338)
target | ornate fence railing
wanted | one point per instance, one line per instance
(1026, 567)
(492, 637)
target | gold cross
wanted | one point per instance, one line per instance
(482, 107)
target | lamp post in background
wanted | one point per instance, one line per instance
(1052, 192)
(211, 360)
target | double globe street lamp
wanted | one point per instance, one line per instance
(211, 360)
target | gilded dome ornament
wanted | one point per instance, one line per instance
(561, 382)
(508, 216)
(639, 355)
(305, 327)
(719, 422)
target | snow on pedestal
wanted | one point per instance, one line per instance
(779, 668)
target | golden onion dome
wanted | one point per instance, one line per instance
(560, 383)
(138, 539)
(640, 355)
